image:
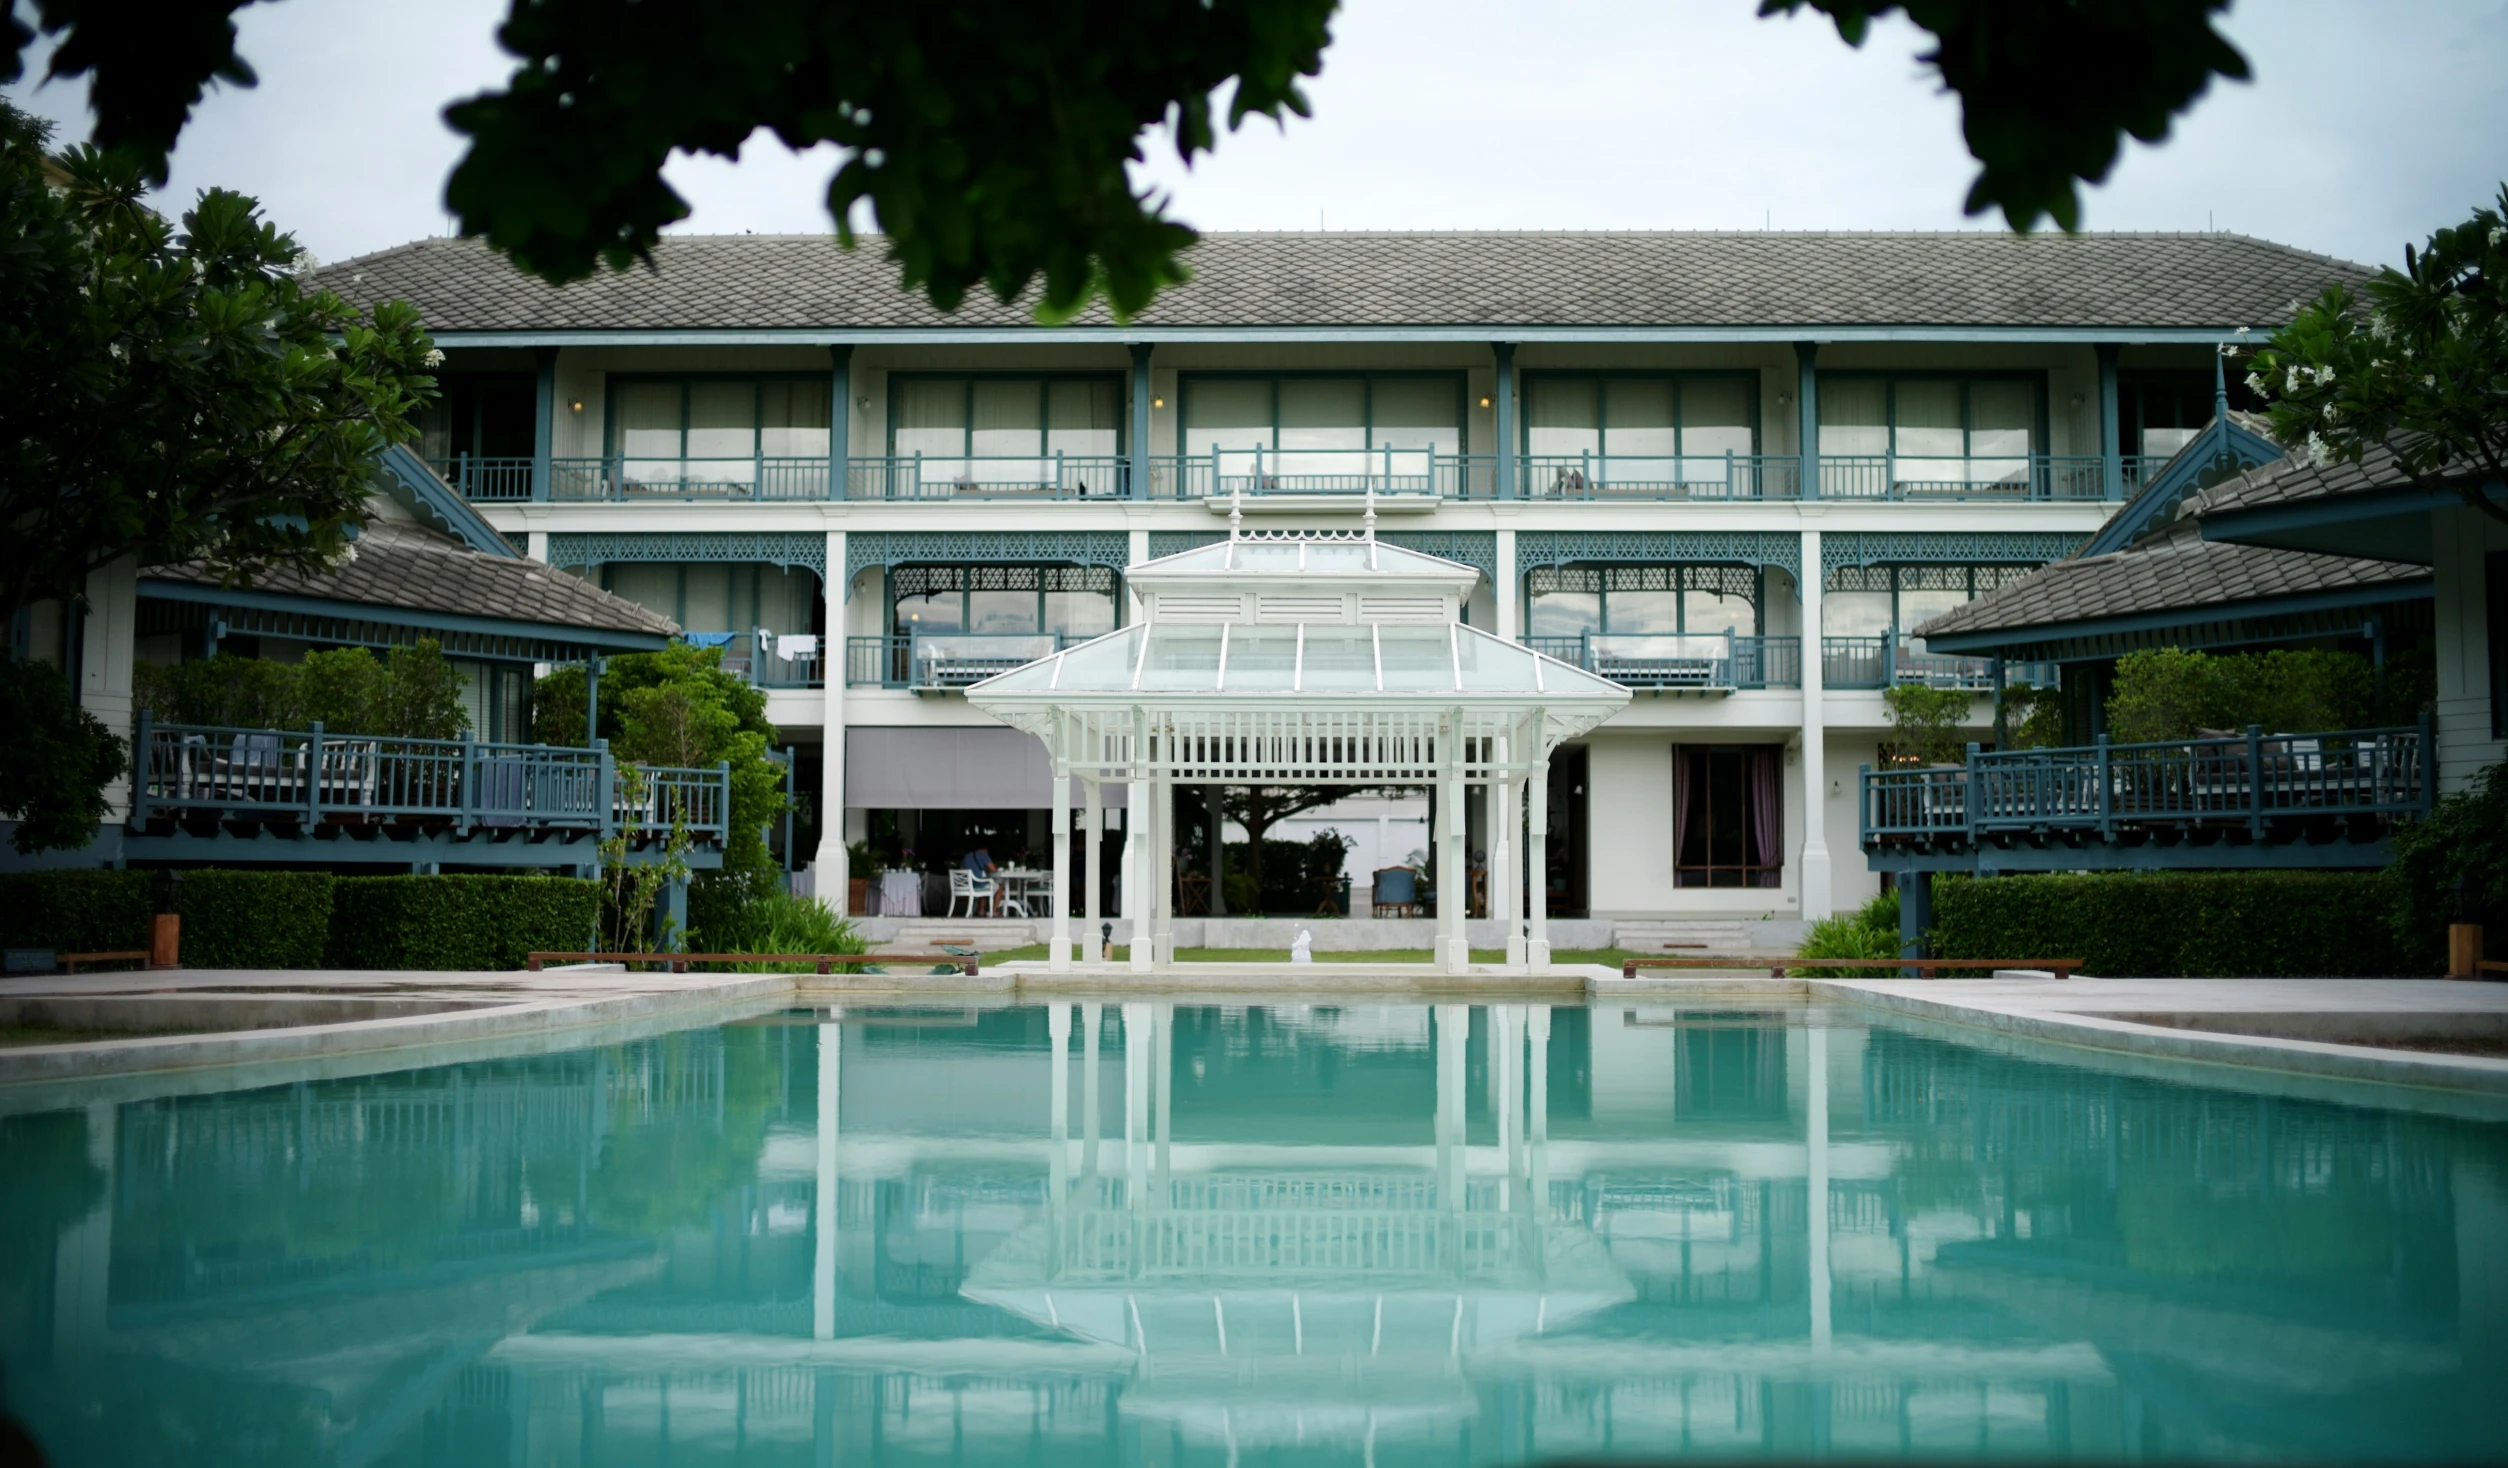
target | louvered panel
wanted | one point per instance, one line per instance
(1203, 608)
(1299, 608)
(1402, 608)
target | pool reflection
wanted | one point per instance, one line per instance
(1158, 1234)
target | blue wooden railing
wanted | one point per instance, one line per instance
(1713, 661)
(193, 773)
(2251, 780)
(938, 661)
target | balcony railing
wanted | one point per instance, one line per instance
(1221, 473)
(618, 478)
(1032, 477)
(2245, 780)
(935, 662)
(485, 479)
(1712, 661)
(199, 777)
(766, 659)
(2019, 477)
(1621, 477)
(1894, 658)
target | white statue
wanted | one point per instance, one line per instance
(1302, 947)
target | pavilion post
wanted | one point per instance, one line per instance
(1140, 839)
(1092, 943)
(1453, 886)
(1163, 863)
(1537, 852)
(1503, 864)
(1058, 956)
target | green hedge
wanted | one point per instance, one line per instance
(253, 919)
(75, 912)
(2185, 924)
(245, 919)
(460, 922)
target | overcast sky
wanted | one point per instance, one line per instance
(2369, 122)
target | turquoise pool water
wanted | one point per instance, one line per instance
(1398, 1235)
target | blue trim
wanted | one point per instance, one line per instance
(1782, 549)
(543, 421)
(867, 548)
(1140, 445)
(2399, 501)
(416, 487)
(805, 548)
(2221, 451)
(1807, 418)
(394, 616)
(2111, 429)
(1502, 396)
(2010, 640)
(839, 419)
(1948, 547)
(2096, 857)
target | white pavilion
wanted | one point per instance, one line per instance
(1292, 657)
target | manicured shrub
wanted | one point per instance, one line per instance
(457, 922)
(75, 911)
(244, 919)
(2453, 863)
(2169, 693)
(2185, 924)
(1870, 931)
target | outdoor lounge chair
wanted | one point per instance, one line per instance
(1396, 893)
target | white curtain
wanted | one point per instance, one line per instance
(1562, 416)
(792, 419)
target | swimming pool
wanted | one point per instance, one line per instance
(1172, 1234)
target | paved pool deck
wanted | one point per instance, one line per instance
(249, 1027)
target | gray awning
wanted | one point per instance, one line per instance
(952, 769)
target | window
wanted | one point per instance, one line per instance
(2158, 413)
(1893, 436)
(1572, 601)
(719, 431)
(1633, 429)
(1073, 601)
(1873, 601)
(1727, 817)
(1321, 428)
(719, 596)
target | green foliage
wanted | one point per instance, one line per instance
(60, 758)
(2460, 847)
(1871, 931)
(678, 707)
(75, 911)
(1932, 722)
(2048, 93)
(248, 919)
(207, 407)
(457, 922)
(2418, 368)
(2034, 717)
(782, 923)
(2186, 924)
(2169, 693)
(412, 693)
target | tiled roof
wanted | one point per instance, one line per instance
(2176, 571)
(2285, 480)
(1979, 279)
(400, 565)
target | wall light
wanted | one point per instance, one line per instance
(576, 405)
(1158, 402)
(1484, 402)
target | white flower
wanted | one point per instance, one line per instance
(2499, 233)
(2242, 331)
(433, 358)
(2315, 450)
(2428, 381)
(2258, 385)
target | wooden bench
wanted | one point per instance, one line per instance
(2062, 968)
(824, 962)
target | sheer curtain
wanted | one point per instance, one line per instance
(1685, 787)
(1767, 817)
(1854, 421)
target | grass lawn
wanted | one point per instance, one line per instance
(1610, 956)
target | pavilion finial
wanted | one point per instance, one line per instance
(1367, 522)
(1236, 513)
(2220, 386)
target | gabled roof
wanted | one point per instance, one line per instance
(2227, 446)
(416, 488)
(2371, 508)
(1532, 280)
(1309, 558)
(404, 566)
(1437, 665)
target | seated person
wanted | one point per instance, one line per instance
(979, 861)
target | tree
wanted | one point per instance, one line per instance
(1258, 808)
(2418, 364)
(176, 394)
(60, 759)
(1932, 722)
(990, 137)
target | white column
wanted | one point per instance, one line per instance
(1163, 1075)
(1058, 1101)
(1537, 850)
(1453, 885)
(1813, 873)
(1506, 885)
(109, 633)
(1136, 1102)
(1816, 1175)
(830, 871)
(1163, 866)
(1092, 940)
(1453, 1029)
(1503, 590)
(536, 545)
(1140, 845)
(1058, 949)
(1506, 1098)
(1537, 1083)
(823, 1272)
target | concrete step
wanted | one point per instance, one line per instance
(984, 934)
(1676, 936)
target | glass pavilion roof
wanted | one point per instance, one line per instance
(1364, 660)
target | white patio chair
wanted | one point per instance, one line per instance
(966, 886)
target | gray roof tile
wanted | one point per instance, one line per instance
(400, 565)
(1974, 279)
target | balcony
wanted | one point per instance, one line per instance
(766, 659)
(944, 662)
(2248, 800)
(1701, 662)
(366, 798)
(1396, 474)
(1893, 658)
